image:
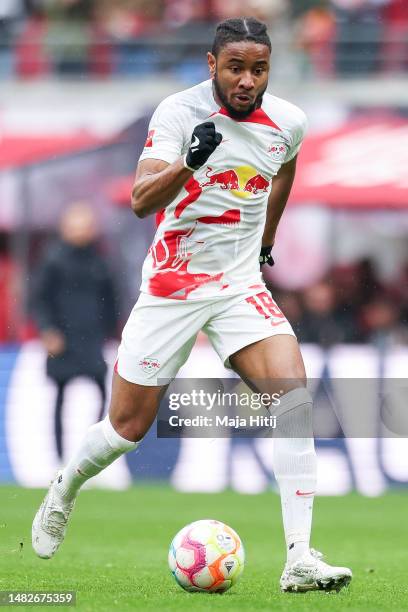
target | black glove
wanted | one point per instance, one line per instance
(204, 141)
(265, 256)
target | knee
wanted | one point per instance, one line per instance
(296, 380)
(296, 375)
(131, 428)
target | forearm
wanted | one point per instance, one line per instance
(281, 187)
(273, 216)
(153, 192)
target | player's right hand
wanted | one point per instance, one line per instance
(204, 141)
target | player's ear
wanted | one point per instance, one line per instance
(211, 64)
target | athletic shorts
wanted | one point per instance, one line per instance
(160, 332)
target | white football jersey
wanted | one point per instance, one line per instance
(208, 239)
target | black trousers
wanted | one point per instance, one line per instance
(59, 406)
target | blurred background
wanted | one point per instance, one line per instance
(79, 80)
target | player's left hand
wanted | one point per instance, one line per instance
(265, 256)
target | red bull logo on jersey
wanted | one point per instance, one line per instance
(227, 179)
(242, 181)
(257, 184)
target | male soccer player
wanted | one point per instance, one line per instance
(217, 167)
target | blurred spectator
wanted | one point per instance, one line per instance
(123, 26)
(319, 323)
(348, 288)
(8, 298)
(11, 15)
(190, 32)
(380, 319)
(299, 7)
(359, 33)
(350, 305)
(314, 35)
(368, 282)
(69, 35)
(399, 290)
(264, 10)
(74, 308)
(395, 48)
(290, 304)
(11, 12)
(30, 50)
(180, 12)
(100, 37)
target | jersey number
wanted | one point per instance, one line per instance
(266, 306)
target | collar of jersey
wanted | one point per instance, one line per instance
(257, 116)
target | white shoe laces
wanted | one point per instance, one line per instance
(316, 554)
(56, 519)
(301, 566)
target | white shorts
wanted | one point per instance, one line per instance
(160, 333)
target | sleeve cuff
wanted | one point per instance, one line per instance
(162, 156)
(186, 165)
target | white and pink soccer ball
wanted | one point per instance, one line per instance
(206, 556)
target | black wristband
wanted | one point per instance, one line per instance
(265, 256)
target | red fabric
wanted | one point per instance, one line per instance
(160, 216)
(8, 273)
(22, 150)
(258, 116)
(119, 190)
(31, 57)
(396, 12)
(149, 139)
(361, 164)
(101, 53)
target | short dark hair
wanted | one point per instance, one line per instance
(238, 29)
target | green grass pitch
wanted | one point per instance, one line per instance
(115, 553)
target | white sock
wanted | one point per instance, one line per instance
(100, 447)
(295, 468)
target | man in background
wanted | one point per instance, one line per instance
(74, 308)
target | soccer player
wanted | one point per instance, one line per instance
(217, 167)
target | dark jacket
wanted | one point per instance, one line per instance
(74, 293)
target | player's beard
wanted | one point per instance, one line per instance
(233, 112)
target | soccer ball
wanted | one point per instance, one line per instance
(206, 556)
